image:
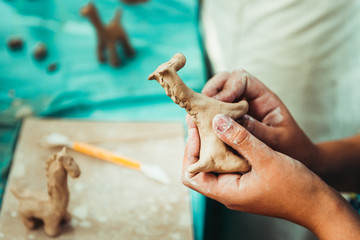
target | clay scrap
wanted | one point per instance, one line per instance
(133, 2)
(215, 156)
(52, 67)
(15, 43)
(108, 36)
(40, 51)
(52, 209)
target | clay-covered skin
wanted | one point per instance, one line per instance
(51, 209)
(108, 35)
(215, 156)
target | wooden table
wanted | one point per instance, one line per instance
(107, 201)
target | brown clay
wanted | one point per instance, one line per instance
(132, 2)
(108, 35)
(52, 209)
(215, 156)
(40, 52)
(15, 43)
(52, 67)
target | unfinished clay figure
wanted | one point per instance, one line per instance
(215, 156)
(108, 35)
(52, 209)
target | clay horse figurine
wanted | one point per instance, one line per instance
(108, 36)
(215, 156)
(52, 209)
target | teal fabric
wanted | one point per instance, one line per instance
(83, 88)
(8, 134)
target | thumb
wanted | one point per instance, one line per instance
(237, 137)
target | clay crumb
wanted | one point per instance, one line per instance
(52, 67)
(133, 2)
(15, 43)
(40, 51)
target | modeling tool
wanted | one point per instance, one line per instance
(152, 171)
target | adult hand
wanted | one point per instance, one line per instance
(268, 119)
(276, 185)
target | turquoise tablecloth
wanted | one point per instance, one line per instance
(83, 88)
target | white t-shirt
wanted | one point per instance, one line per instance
(306, 51)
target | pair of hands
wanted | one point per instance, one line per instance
(277, 185)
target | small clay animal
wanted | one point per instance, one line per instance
(40, 51)
(215, 155)
(108, 36)
(15, 43)
(51, 209)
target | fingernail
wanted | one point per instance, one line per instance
(222, 123)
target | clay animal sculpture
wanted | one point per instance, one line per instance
(51, 209)
(108, 36)
(215, 156)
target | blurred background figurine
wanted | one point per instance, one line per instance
(108, 36)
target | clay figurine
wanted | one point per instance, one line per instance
(215, 156)
(52, 209)
(108, 35)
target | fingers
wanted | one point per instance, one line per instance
(234, 87)
(261, 99)
(192, 148)
(190, 122)
(215, 84)
(241, 140)
(203, 183)
(200, 181)
(220, 187)
(260, 130)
